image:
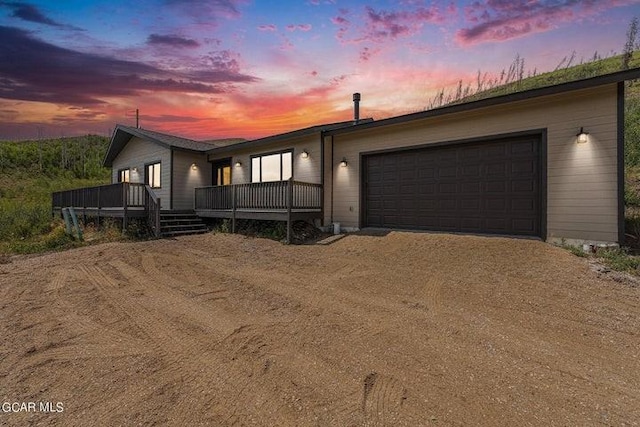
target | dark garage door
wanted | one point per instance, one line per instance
(485, 187)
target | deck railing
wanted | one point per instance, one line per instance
(277, 195)
(120, 196)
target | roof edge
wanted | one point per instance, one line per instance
(285, 136)
(604, 79)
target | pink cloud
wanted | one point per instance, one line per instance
(501, 20)
(379, 26)
(299, 27)
(268, 28)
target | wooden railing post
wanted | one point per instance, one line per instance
(233, 208)
(289, 208)
(157, 218)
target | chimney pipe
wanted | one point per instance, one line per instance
(356, 107)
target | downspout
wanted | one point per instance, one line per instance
(322, 175)
(332, 182)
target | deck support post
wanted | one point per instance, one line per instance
(289, 208)
(99, 207)
(233, 209)
(125, 188)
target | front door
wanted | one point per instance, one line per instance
(221, 172)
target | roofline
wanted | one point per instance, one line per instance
(590, 82)
(134, 132)
(282, 136)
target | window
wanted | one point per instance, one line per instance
(152, 178)
(272, 167)
(123, 175)
(222, 172)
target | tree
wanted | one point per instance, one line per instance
(630, 44)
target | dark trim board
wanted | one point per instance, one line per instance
(388, 201)
(170, 180)
(621, 141)
(266, 215)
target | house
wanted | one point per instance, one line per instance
(170, 165)
(545, 163)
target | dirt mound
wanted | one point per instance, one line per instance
(402, 329)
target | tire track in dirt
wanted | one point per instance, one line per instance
(189, 362)
(106, 342)
(250, 344)
(382, 399)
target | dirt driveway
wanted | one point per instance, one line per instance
(404, 329)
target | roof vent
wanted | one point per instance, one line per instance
(356, 108)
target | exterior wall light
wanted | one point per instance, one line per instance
(582, 136)
(344, 162)
(238, 164)
(194, 166)
(304, 154)
(135, 170)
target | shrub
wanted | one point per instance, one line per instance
(619, 259)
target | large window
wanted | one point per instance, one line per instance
(272, 167)
(152, 177)
(124, 175)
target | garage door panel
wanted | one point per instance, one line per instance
(523, 186)
(471, 187)
(494, 206)
(496, 225)
(448, 171)
(491, 187)
(526, 205)
(496, 169)
(468, 171)
(524, 148)
(524, 224)
(522, 167)
(470, 205)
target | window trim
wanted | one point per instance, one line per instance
(119, 177)
(270, 153)
(147, 181)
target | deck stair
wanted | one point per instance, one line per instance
(180, 223)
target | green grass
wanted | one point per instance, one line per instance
(619, 260)
(578, 72)
(29, 172)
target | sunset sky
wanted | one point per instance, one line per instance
(238, 68)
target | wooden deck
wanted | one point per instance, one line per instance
(122, 200)
(286, 201)
(274, 201)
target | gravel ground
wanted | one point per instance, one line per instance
(398, 329)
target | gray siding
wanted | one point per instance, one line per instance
(186, 179)
(582, 198)
(136, 154)
(306, 170)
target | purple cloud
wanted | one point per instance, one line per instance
(172, 41)
(381, 26)
(299, 27)
(207, 11)
(501, 20)
(30, 13)
(268, 27)
(79, 78)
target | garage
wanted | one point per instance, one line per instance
(488, 186)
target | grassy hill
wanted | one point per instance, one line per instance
(30, 171)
